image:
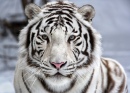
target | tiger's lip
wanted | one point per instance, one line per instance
(58, 75)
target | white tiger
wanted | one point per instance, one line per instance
(60, 52)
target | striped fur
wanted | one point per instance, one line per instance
(61, 32)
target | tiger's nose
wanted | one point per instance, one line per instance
(58, 65)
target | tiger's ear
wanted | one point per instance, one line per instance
(87, 11)
(32, 10)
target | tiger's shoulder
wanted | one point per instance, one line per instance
(115, 76)
(113, 66)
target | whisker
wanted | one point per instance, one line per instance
(35, 78)
(30, 76)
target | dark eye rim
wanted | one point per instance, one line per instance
(45, 37)
(72, 37)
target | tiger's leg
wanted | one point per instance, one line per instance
(116, 77)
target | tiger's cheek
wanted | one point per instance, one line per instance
(40, 47)
(70, 52)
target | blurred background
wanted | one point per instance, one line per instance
(112, 20)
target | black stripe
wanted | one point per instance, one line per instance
(88, 84)
(39, 37)
(75, 55)
(78, 44)
(76, 39)
(66, 30)
(50, 22)
(52, 10)
(39, 51)
(97, 87)
(45, 68)
(68, 19)
(43, 30)
(38, 27)
(33, 50)
(28, 35)
(77, 51)
(74, 31)
(80, 28)
(38, 43)
(69, 24)
(92, 39)
(51, 29)
(33, 34)
(50, 19)
(42, 54)
(122, 86)
(45, 64)
(86, 46)
(79, 62)
(110, 81)
(70, 11)
(47, 40)
(26, 84)
(59, 12)
(39, 24)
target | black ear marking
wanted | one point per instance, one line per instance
(32, 10)
(87, 11)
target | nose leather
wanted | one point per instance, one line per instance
(57, 65)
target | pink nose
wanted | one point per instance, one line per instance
(57, 65)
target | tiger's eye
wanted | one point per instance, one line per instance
(72, 37)
(44, 37)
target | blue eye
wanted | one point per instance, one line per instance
(45, 37)
(72, 37)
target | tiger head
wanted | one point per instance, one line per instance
(59, 40)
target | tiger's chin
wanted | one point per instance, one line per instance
(58, 83)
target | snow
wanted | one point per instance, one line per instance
(112, 20)
(6, 82)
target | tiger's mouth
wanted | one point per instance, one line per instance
(58, 75)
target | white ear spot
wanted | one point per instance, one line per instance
(32, 10)
(87, 11)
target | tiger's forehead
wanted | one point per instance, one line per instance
(62, 14)
(60, 5)
(57, 27)
(54, 7)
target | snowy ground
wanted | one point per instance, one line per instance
(112, 20)
(6, 82)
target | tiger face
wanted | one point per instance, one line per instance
(59, 41)
(57, 48)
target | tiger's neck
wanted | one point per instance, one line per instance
(88, 79)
